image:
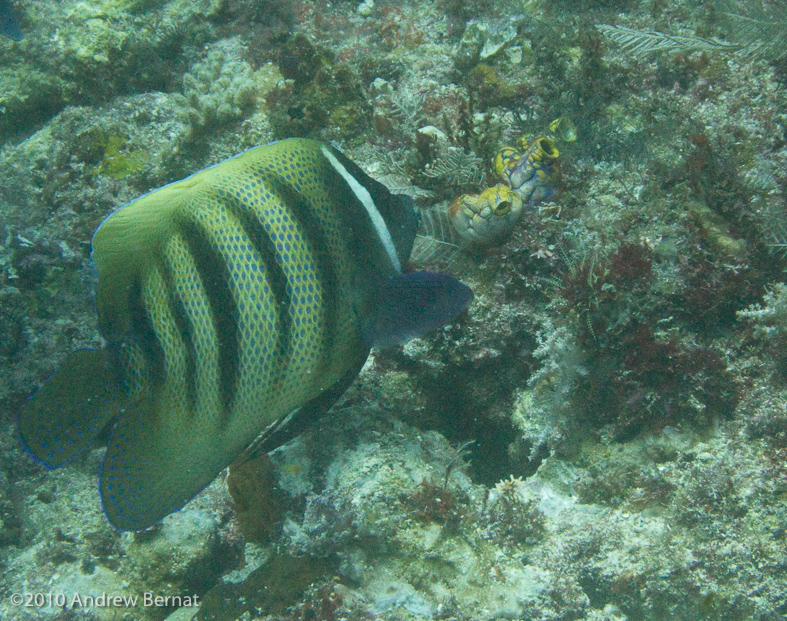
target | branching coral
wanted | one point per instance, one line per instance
(769, 322)
(218, 90)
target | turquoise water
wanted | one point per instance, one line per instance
(601, 434)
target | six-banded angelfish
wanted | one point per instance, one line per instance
(229, 300)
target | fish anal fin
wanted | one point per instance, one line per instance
(152, 469)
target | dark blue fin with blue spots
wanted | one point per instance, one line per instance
(410, 305)
(70, 410)
(152, 468)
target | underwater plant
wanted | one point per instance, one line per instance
(760, 26)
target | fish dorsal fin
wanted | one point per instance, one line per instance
(72, 408)
(410, 305)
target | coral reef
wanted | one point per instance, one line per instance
(321, 98)
(218, 90)
(601, 435)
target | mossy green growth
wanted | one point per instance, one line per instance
(344, 118)
(715, 230)
(41, 299)
(322, 98)
(138, 7)
(119, 162)
(491, 87)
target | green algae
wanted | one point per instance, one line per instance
(120, 162)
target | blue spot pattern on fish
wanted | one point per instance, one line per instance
(230, 300)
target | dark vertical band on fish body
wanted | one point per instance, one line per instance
(217, 284)
(327, 279)
(397, 211)
(266, 248)
(359, 233)
(183, 324)
(145, 336)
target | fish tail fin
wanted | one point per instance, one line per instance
(70, 410)
(410, 305)
(159, 457)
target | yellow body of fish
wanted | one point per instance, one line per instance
(231, 299)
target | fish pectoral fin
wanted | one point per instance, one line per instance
(70, 410)
(153, 467)
(410, 305)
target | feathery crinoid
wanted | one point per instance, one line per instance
(757, 29)
(457, 166)
(773, 224)
(437, 240)
(640, 44)
(759, 26)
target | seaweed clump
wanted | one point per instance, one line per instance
(259, 505)
(634, 375)
(321, 97)
(512, 517)
(434, 503)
